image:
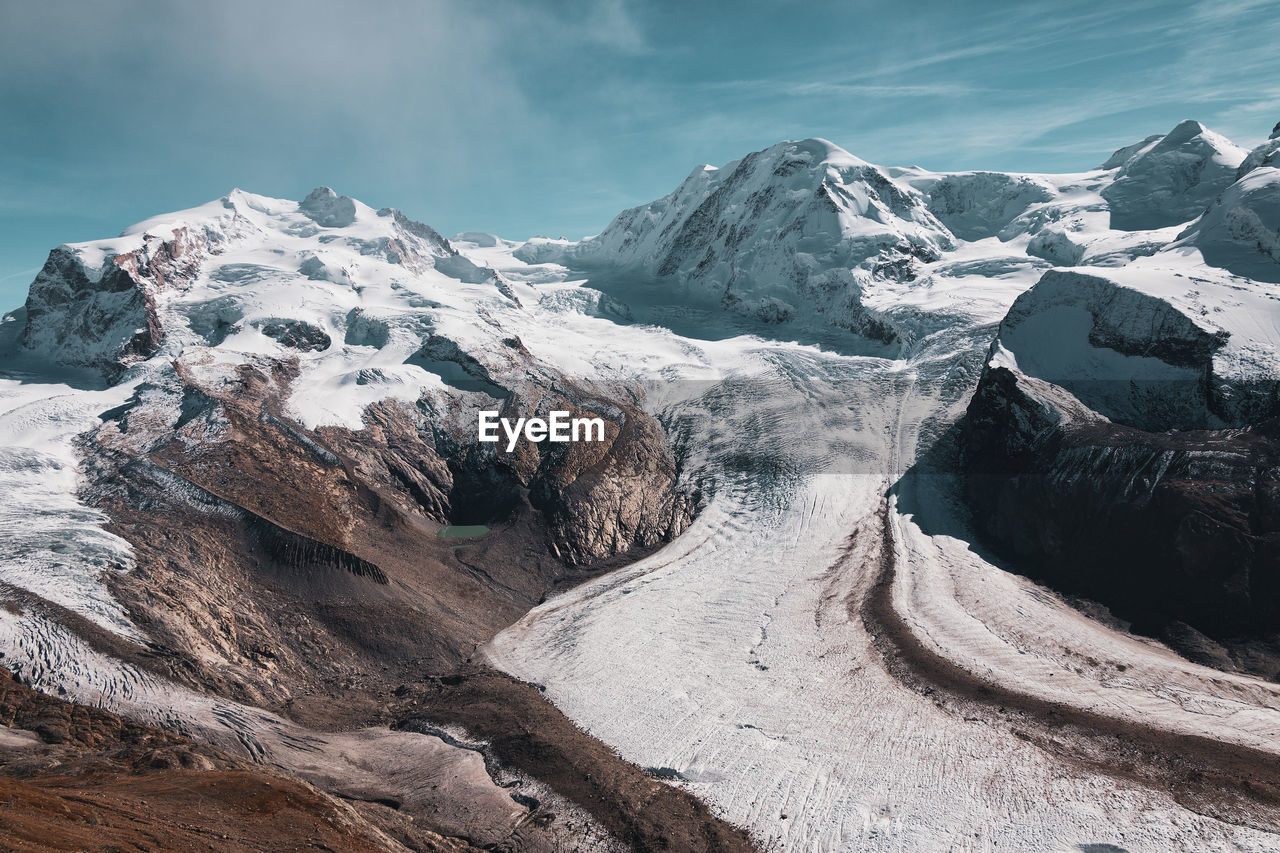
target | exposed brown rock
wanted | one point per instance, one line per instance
(78, 778)
(525, 731)
(300, 570)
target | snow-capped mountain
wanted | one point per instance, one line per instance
(250, 504)
(273, 405)
(1170, 179)
(1237, 232)
(250, 320)
(806, 234)
(793, 232)
(1266, 154)
(191, 277)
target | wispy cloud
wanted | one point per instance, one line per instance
(20, 274)
(610, 22)
(549, 115)
(836, 89)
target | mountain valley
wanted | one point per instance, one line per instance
(934, 511)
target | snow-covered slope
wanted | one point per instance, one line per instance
(975, 205)
(1170, 179)
(793, 232)
(1240, 231)
(803, 234)
(1121, 440)
(738, 660)
(337, 307)
(1149, 346)
(1266, 154)
(328, 280)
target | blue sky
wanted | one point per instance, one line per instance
(528, 118)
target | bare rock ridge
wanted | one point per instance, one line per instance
(289, 549)
(79, 778)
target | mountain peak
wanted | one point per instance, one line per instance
(1170, 179)
(783, 233)
(812, 154)
(1193, 134)
(328, 209)
(236, 265)
(1121, 155)
(1184, 131)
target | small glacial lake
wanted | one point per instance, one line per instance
(462, 531)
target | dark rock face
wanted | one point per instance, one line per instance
(599, 498)
(298, 334)
(328, 209)
(1067, 317)
(1178, 533)
(106, 318)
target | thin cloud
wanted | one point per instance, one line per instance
(521, 116)
(20, 274)
(610, 22)
(825, 89)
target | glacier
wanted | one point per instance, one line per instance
(808, 328)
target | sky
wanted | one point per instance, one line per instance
(528, 118)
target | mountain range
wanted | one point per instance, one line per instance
(934, 511)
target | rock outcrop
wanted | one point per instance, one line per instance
(307, 380)
(80, 778)
(1119, 447)
(1266, 154)
(105, 317)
